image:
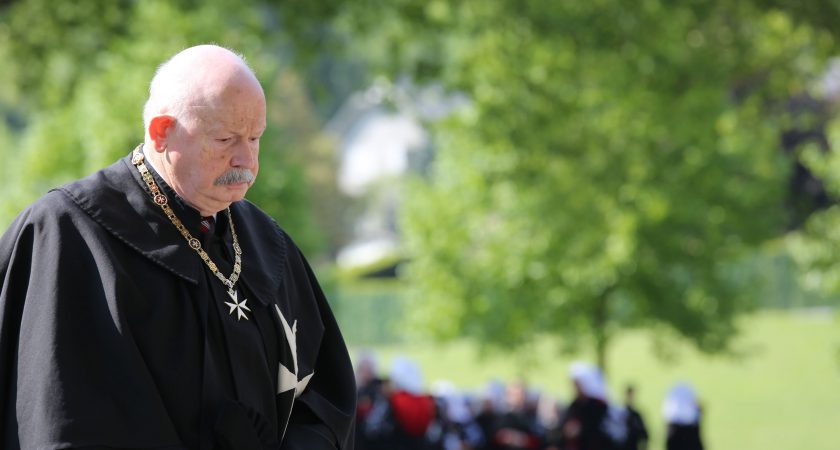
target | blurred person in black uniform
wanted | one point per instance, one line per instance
(369, 390)
(458, 420)
(682, 415)
(637, 434)
(491, 406)
(406, 417)
(517, 427)
(549, 412)
(582, 424)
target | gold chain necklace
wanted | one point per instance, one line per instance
(162, 200)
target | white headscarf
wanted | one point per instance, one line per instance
(495, 394)
(589, 379)
(456, 404)
(406, 376)
(680, 405)
(366, 365)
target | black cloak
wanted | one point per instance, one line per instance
(114, 334)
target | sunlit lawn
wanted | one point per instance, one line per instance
(785, 394)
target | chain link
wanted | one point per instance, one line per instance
(161, 200)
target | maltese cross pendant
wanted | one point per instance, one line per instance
(236, 305)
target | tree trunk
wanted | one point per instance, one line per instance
(601, 319)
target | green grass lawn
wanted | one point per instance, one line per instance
(783, 394)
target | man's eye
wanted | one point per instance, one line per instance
(223, 140)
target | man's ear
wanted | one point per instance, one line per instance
(160, 128)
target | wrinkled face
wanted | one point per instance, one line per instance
(211, 155)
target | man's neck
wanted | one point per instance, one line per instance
(149, 161)
(147, 158)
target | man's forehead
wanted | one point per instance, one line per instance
(221, 112)
(212, 123)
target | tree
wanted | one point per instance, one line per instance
(814, 246)
(75, 78)
(616, 163)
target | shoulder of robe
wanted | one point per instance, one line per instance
(51, 209)
(115, 199)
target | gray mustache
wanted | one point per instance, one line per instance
(234, 176)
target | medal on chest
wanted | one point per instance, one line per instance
(240, 308)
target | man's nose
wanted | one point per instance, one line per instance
(245, 154)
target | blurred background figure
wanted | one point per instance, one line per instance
(582, 426)
(682, 415)
(516, 427)
(492, 404)
(549, 413)
(406, 416)
(637, 434)
(369, 390)
(457, 417)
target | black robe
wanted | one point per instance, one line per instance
(586, 415)
(683, 437)
(114, 334)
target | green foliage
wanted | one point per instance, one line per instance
(77, 76)
(821, 14)
(46, 43)
(616, 164)
(815, 247)
(369, 312)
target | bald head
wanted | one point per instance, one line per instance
(197, 76)
(203, 121)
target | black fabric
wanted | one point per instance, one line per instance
(581, 425)
(114, 334)
(518, 423)
(383, 430)
(683, 437)
(636, 430)
(367, 395)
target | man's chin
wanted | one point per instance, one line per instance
(235, 192)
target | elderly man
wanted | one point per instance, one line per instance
(150, 306)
